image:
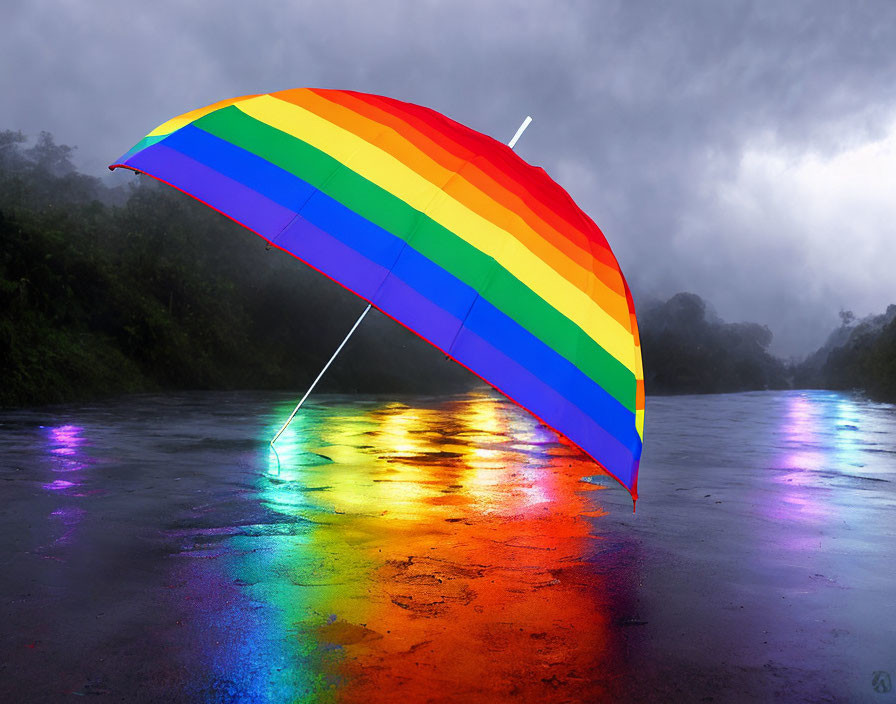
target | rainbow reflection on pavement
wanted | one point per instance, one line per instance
(420, 548)
(443, 550)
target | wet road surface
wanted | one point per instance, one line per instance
(444, 550)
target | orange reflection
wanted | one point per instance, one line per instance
(449, 556)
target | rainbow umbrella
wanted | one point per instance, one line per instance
(440, 227)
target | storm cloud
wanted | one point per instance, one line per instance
(742, 151)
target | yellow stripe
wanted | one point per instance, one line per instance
(389, 173)
(496, 210)
(175, 123)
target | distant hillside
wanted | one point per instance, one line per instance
(857, 355)
(134, 288)
(108, 290)
(688, 350)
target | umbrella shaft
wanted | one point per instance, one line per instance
(322, 372)
(511, 144)
(519, 132)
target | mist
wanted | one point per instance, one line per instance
(140, 288)
(741, 151)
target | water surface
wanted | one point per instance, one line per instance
(155, 549)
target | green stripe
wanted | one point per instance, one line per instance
(441, 246)
(142, 144)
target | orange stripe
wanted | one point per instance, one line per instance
(497, 185)
(604, 266)
(531, 184)
(455, 185)
(636, 335)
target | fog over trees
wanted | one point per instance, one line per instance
(687, 349)
(857, 355)
(138, 287)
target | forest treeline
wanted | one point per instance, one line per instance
(687, 349)
(139, 288)
(860, 354)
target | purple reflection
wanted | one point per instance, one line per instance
(58, 485)
(65, 443)
(67, 435)
(802, 433)
(809, 460)
(66, 455)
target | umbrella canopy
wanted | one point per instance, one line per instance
(440, 227)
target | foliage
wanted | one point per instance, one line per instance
(687, 351)
(856, 356)
(138, 287)
(107, 290)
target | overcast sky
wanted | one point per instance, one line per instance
(742, 151)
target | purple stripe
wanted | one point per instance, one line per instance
(331, 257)
(230, 197)
(419, 313)
(513, 380)
(396, 298)
(370, 280)
(519, 384)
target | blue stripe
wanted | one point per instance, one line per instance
(432, 281)
(241, 165)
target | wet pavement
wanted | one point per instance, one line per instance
(153, 548)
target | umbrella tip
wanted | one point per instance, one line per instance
(519, 132)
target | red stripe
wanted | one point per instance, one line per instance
(531, 183)
(505, 192)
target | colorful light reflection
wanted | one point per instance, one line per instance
(823, 446)
(66, 453)
(65, 444)
(456, 532)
